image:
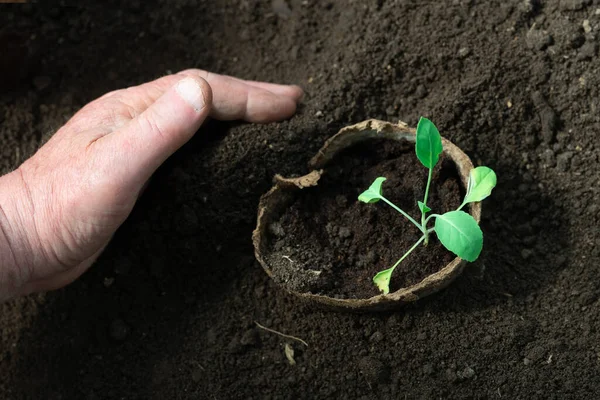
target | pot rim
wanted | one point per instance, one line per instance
(275, 200)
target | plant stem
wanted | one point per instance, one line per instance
(427, 220)
(411, 219)
(461, 206)
(425, 203)
(409, 251)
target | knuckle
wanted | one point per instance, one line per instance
(149, 122)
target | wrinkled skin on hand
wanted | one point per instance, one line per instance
(60, 208)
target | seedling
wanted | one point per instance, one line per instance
(456, 230)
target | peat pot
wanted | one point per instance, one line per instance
(329, 256)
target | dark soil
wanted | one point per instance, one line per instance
(168, 310)
(327, 242)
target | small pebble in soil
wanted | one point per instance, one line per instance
(344, 232)
(421, 91)
(463, 52)
(466, 373)
(118, 330)
(536, 353)
(576, 162)
(331, 229)
(587, 51)
(587, 28)
(373, 370)
(538, 40)
(376, 337)
(548, 158)
(276, 229)
(526, 254)
(526, 6)
(563, 161)
(281, 9)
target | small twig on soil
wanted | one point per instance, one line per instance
(281, 334)
(288, 258)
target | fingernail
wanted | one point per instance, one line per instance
(191, 92)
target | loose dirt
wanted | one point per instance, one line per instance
(168, 310)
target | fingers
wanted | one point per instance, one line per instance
(148, 140)
(237, 100)
(248, 100)
(233, 98)
(293, 91)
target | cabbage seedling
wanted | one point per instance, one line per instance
(456, 230)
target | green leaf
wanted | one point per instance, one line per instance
(429, 143)
(423, 207)
(373, 193)
(459, 233)
(481, 182)
(382, 280)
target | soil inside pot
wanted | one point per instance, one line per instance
(327, 242)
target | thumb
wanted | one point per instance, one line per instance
(144, 143)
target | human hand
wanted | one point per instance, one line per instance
(60, 208)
